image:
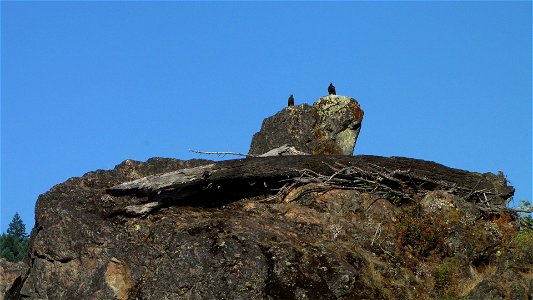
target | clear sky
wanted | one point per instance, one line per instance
(86, 85)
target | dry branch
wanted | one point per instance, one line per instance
(392, 178)
(376, 234)
(280, 151)
(222, 153)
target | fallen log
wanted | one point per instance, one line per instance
(266, 175)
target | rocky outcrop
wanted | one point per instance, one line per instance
(9, 272)
(330, 126)
(288, 227)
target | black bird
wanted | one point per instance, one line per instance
(331, 89)
(291, 101)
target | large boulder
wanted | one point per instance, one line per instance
(330, 126)
(283, 227)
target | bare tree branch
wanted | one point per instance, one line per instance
(223, 153)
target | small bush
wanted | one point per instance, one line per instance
(423, 235)
(393, 198)
(442, 277)
(525, 216)
(446, 279)
(522, 247)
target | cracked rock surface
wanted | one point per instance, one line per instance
(9, 271)
(447, 234)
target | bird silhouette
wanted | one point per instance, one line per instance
(331, 89)
(291, 101)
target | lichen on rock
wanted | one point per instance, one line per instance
(9, 272)
(330, 126)
(347, 236)
(118, 278)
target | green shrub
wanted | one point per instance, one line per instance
(522, 247)
(423, 235)
(442, 277)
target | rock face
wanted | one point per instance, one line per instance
(330, 126)
(8, 273)
(290, 227)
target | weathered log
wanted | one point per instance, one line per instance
(161, 182)
(250, 176)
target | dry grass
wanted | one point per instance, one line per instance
(466, 285)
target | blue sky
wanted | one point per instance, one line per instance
(86, 85)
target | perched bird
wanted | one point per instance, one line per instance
(331, 89)
(291, 101)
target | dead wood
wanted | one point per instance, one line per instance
(280, 151)
(396, 178)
